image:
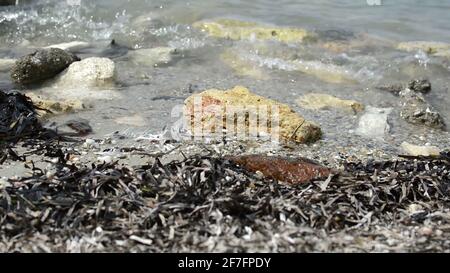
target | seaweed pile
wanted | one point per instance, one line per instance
(205, 203)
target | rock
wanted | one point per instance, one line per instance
(8, 2)
(431, 48)
(415, 150)
(90, 72)
(420, 85)
(241, 30)
(151, 56)
(208, 108)
(71, 46)
(242, 67)
(6, 64)
(374, 122)
(416, 110)
(41, 65)
(395, 88)
(48, 108)
(136, 120)
(317, 101)
(288, 170)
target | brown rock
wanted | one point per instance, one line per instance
(292, 171)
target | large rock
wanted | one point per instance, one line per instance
(6, 64)
(151, 56)
(241, 30)
(41, 65)
(432, 48)
(416, 110)
(90, 72)
(374, 123)
(416, 150)
(316, 101)
(247, 114)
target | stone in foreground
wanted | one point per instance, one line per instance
(292, 171)
(416, 150)
(241, 30)
(316, 101)
(209, 111)
(41, 65)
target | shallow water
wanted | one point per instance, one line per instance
(151, 92)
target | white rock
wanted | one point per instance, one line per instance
(106, 159)
(151, 56)
(374, 122)
(4, 183)
(71, 46)
(6, 64)
(416, 150)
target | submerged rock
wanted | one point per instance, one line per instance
(90, 72)
(248, 114)
(241, 30)
(292, 171)
(242, 67)
(431, 48)
(6, 64)
(47, 107)
(316, 101)
(151, 56)
(135, 120)
(326, 72)
(374, 122)
(415, 150)
(416, 110)
(70, 46)
(41, 65)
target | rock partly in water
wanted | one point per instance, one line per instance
(151, 56)
(241, 66)
(6, 64)
(420, 85)
(288, 170)
(415, 150)
(70, 46)
(41, 65)
(316, 101)
(416, 110)
(248, 114)
(241, 30)
(374, 123)
(431, 48)
(47, 107)
(90, 72)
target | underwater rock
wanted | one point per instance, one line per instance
(242, 67)
(326, 72)
(41, 65)
(395, 88)
(151, 56)
(288, 170)
(249, 115)
(420, 85)
(416, 110)
(135, 120)
(432, 48)
(415, 150)
(70, 46)
(316, 101)
(6, 64)
(374, 122)
(241, 30)
(47, 108)
(90, 72)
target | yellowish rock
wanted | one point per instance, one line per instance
(242, 67)
(238, 106)
(316, 101)
(241, 30)
(432, 48)
(52, 107)
(416, 150)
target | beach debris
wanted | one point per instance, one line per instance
(90, 72)
(247, 114)
(317, 101)
(242, 30)
(415, 150)
(41, 65)
(151, 56)
(432, 48)
(374, 123)
(416, 110)
(289, 170)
